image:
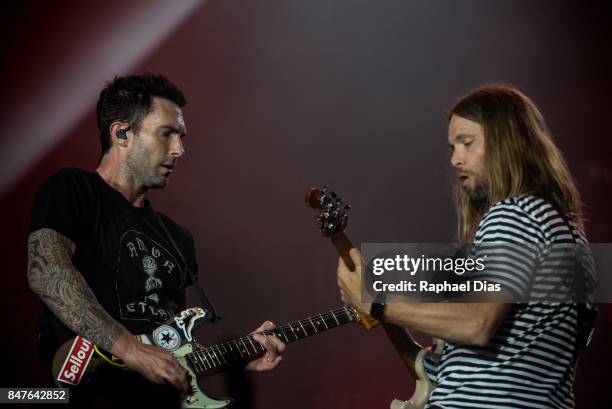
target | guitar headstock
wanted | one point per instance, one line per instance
(331, 211)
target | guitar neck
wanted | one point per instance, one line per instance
(247, 349)
(331, 214)
(343, 245)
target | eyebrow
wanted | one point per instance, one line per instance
(171, 128)
(462, 137)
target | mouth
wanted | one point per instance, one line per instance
(463, 179)
(169, 167)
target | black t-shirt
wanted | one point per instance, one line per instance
(122, 251)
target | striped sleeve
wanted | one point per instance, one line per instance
(507, 241)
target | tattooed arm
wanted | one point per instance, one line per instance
(57, 282)
(53, 277)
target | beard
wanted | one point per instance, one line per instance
(479, 193)
(144, 169)
(155, 182)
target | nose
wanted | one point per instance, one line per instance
(176, 147)
(457, 159)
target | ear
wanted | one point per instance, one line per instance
(119, 133)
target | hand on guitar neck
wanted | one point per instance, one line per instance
(274, 347)
(332, 217)
(349, 282)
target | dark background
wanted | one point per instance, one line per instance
(282, 95)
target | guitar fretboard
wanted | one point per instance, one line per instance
(247, 348)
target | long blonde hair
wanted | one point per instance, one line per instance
(520, 156)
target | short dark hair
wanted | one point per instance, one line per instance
(129, 99)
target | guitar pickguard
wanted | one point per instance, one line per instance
(198, 400)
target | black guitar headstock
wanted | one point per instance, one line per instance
(331, 211)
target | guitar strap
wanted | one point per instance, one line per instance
(213, 317)
(587, 313)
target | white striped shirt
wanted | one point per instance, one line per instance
(529, 361)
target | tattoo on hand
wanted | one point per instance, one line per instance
(62, 288)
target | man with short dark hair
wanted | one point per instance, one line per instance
(107, 265)
(513, 187)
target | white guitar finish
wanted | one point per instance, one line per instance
(198, 400)
(423, 386)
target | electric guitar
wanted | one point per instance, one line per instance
(77, 360)
(332, 217)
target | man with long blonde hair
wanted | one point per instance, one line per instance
(520, 159)
(513, 186)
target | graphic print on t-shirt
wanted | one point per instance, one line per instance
(144, 270)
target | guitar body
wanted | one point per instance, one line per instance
(422, 388)
(77, 360)
(198, 400)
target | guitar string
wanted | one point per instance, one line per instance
(200, 352)
(340, 312)
(328, 314)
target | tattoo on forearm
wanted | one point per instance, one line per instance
(62, 288)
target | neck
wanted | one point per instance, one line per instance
(113, 171)
(246, 349)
